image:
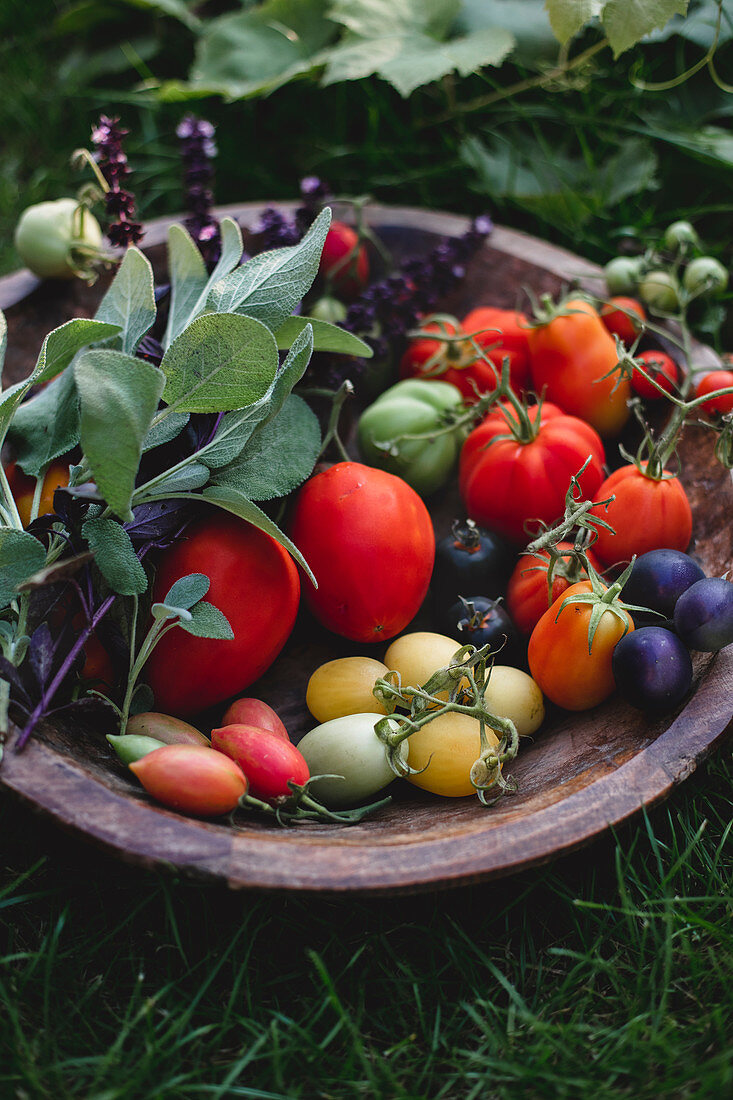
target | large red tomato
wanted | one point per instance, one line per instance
(254, 582)
(508, 482)
(528, 595)
(647, 514)
(570, 357)
(369, 540)
(506, 335)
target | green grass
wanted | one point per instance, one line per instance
(607, 974)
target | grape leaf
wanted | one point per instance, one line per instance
(130, 301)
(627, 21)
(114, 556)
(119, 397)
(220, 362)
(567, 17)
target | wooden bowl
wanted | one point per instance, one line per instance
(582, 774)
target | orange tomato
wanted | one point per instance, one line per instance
(23, 487)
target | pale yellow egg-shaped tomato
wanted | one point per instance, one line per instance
(344, 686)
(417, 656)
(513, 694)
(444, 751)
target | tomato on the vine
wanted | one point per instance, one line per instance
(508, 480)
(570, 670)
(527, 595)
(254, 582)
(344, 261)
(623, 317)
(369, 540)
(573, 358)
(661, 368)
(716, 380)
(453, 361)
(647, 513)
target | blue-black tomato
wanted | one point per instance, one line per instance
(657, 581)
(470, 559)
(479, 621)
(652, 669)
(703, 615)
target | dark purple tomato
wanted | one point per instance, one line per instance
(652, 669)
(703, 615)
(471, 559)
(479, 621)
(657, 581)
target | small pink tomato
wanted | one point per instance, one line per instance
(192, 779)
(253, 712)
(268, 761)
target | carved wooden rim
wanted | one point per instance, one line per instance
(323, 859)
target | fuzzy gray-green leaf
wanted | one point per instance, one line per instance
(326, 337)
(188, 279)
(47, 426)
(220, 363)
(130, 300)
(207, 621)
(119, 397)
(187, 591)
(21, 555)
(114, 556)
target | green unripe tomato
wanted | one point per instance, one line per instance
(660, 291)
(680, 235)
(623, 274)
(350, 752)
(412, 408)
(705, 276)
(328, 309)
(49, 234)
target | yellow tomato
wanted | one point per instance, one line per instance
(344, 686)
(446, 749)
(513, 694)
(417, 656)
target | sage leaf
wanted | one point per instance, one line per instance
(114, 556)
(271, 284)
(168, 427)
(326, 337)
(130, 300)
(187, 591)
(207, 621)
(192, 476)
(279, 456)
(119, 397)
(231, 500)
(47, 426)
(220, 363)
(188, 280)
(21, 555)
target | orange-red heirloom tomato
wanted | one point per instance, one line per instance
(647, 514)
(622, 317)
(716, 380)
(509, 483)
(559, 657)
(527, 595)
(269, 761)
(192, 779)
(369, 540)
(511, 341)
(253, 712)
(569, 357)
(455, 363)
(254, 582)
(23, 487)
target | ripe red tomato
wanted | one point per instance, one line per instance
(254, 712)
(560, 661)
(23, 487)
(647, 514)
(716, 380)
(369, 540)
(621, 316)
(254, 582)
(509, 483)
(269, 761)
(527, 597)
(511, 341)
(659, 366)
(344, 261)
(569, 357)
(455, 363)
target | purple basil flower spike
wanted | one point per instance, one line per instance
(198, 149)
(110, 158)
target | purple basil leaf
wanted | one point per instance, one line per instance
(41, 654)
(157, 521)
